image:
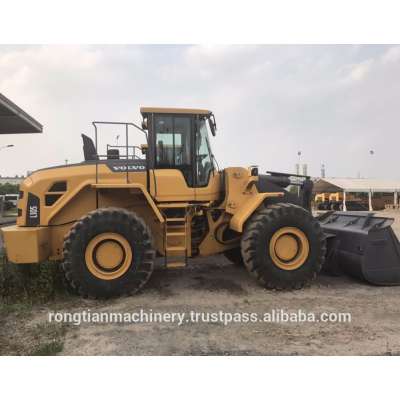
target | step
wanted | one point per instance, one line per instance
(176, 228)
(176, 264)
(175, 219)
(175, 248)
(176, 233)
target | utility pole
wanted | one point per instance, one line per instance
(298, 171)
(298, 163)
(371, 153)
(322, 170)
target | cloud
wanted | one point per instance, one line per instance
(334, 103)
(392, 55)
(360, 71)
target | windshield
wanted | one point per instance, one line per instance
(204, 161)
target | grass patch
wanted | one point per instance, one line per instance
(49, 349)
(21, 286)
(48, 339)
(43, 339)
(19, 309)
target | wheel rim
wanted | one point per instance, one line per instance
(289, 248)
(108, 256)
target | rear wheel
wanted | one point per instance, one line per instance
(108, 253)
(283, 246)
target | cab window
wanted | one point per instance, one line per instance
(172, 136)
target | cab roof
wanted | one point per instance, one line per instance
(167, 110)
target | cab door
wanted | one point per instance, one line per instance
(173, 167)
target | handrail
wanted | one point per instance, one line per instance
(116, 146)
(127, 124)
(120, 123)
(121, 156)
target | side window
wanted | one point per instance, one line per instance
(172, 136)
(164, 141)
(204, 162)
(182, 141)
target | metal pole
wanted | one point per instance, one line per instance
(1, 206)
(95, 136)
(344, 201)
(126, 136)
(395, 198)
(370, 200)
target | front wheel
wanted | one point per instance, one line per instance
(234, 256)
(283, 246)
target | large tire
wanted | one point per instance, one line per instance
(292, 226)
(234, 256)
(108, 253)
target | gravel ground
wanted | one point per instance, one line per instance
(213, 285)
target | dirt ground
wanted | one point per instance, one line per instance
(212, 285)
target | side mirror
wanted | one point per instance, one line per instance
(144, 124)
(212, 124)
(144, 147)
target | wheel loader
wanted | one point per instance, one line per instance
(107, 218)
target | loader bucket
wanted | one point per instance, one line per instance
(362, 245)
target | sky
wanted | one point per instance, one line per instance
(334, 103)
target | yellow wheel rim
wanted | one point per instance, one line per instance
(289, 248)
(108, 256)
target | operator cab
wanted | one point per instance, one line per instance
(178, 139)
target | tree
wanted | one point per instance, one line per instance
(9, 188)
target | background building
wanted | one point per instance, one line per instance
(13, 120)
(376, 192)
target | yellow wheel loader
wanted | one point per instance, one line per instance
(108, 217)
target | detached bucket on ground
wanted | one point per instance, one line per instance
(362, 245)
